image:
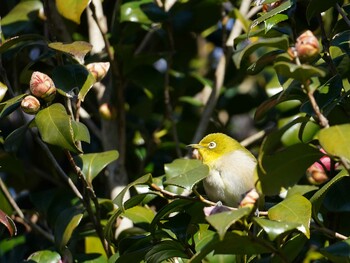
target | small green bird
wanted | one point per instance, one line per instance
(231, 168)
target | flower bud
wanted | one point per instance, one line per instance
(307, 46)
(30, 104)
(317, 172)
(107, 112)
(98, 69)
(42, 86)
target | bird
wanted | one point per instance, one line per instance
(231, 168)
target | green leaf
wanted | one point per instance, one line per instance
(14, 140)
(274, 229)
(56, 128)
(44, 256)
(274, 20)
(276, 42)
(285, 168)
(18, 40)
(119, 200)
(342, 40)
(80, 132)
(18, 18)
(338, 252)
(10, 105)
(292, 247)
(301, 190)
(282, 7)
(3, 90)
(165, 250)
(295, 209)
(317, 7)
(77, 49)
(72, 9)
(93, 163)
(65, 224)
(132, 12)
(335, 140)
(302, 73)
(266, 59)
(69, 78)
(185, 173)
(337, 197)
(139, 214)
(222, 221)
(318, 198)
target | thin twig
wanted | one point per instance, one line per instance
(253, 138)
(343, 14)
(321, 118)
(329, 232)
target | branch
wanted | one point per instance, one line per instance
(343, 14)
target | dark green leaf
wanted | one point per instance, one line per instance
(55, 127)
(18, 40)
(282, 7)
(93, 163)
(45, 256)
(302, 73)
(292, 247)
(77, 49)
(337, 197)
(275, 228)
(338, 134)
(132, 12)
(317, 7)
(18, 18)
(185, 173)
(338, 252)
(72, 9)
(342, 40)
(318, 198)
(165, 250)
(266, 59)
(119, 200)
(295, 209)
(222, 221)
(285, 168)
(274, 20)
(14, 140)
(65, 224)
(10, 105)
(277, 42)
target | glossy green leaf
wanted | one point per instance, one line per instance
(317, 7)
(295, 209)
(274, 20)
(44, 256)
(119, 200)
(338, 252)
(77, 49)
(165, 250)
(72, 9)
(93, 163)
(292, 248)
(277, 42)
(318, 198)
(8, 223)
(55, 127)
(274, 229)
(132, 12)
(301, 190)
(10, 105)
(14, 140)
(73, 78)
(139, 214)
(17, 19)
(18, 40)
(302, 73)
(185, 173)
(80, 132)
(282, 7)
(222, 221)
(67, 221)
(3, 90)
(342, 40)
(336, 199)
(285, 168)
(265, 60)
(338, 134)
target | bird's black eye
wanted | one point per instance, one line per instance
(212, 145)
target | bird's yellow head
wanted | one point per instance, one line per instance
(215, 145)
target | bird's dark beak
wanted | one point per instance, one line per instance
(195, 146)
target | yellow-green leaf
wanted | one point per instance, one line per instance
(72, 9)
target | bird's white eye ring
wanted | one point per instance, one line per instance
(212, 145)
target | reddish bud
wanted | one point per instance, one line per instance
(42, 86)
(30, 104)
(250, 199)
(307, 46)
(98, 69)
(317, 172)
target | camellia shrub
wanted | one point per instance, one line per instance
(93, 159)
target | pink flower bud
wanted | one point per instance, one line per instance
(30, 104)
(98, 69)
(307, 46)
(317, 172)
(42, 86)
